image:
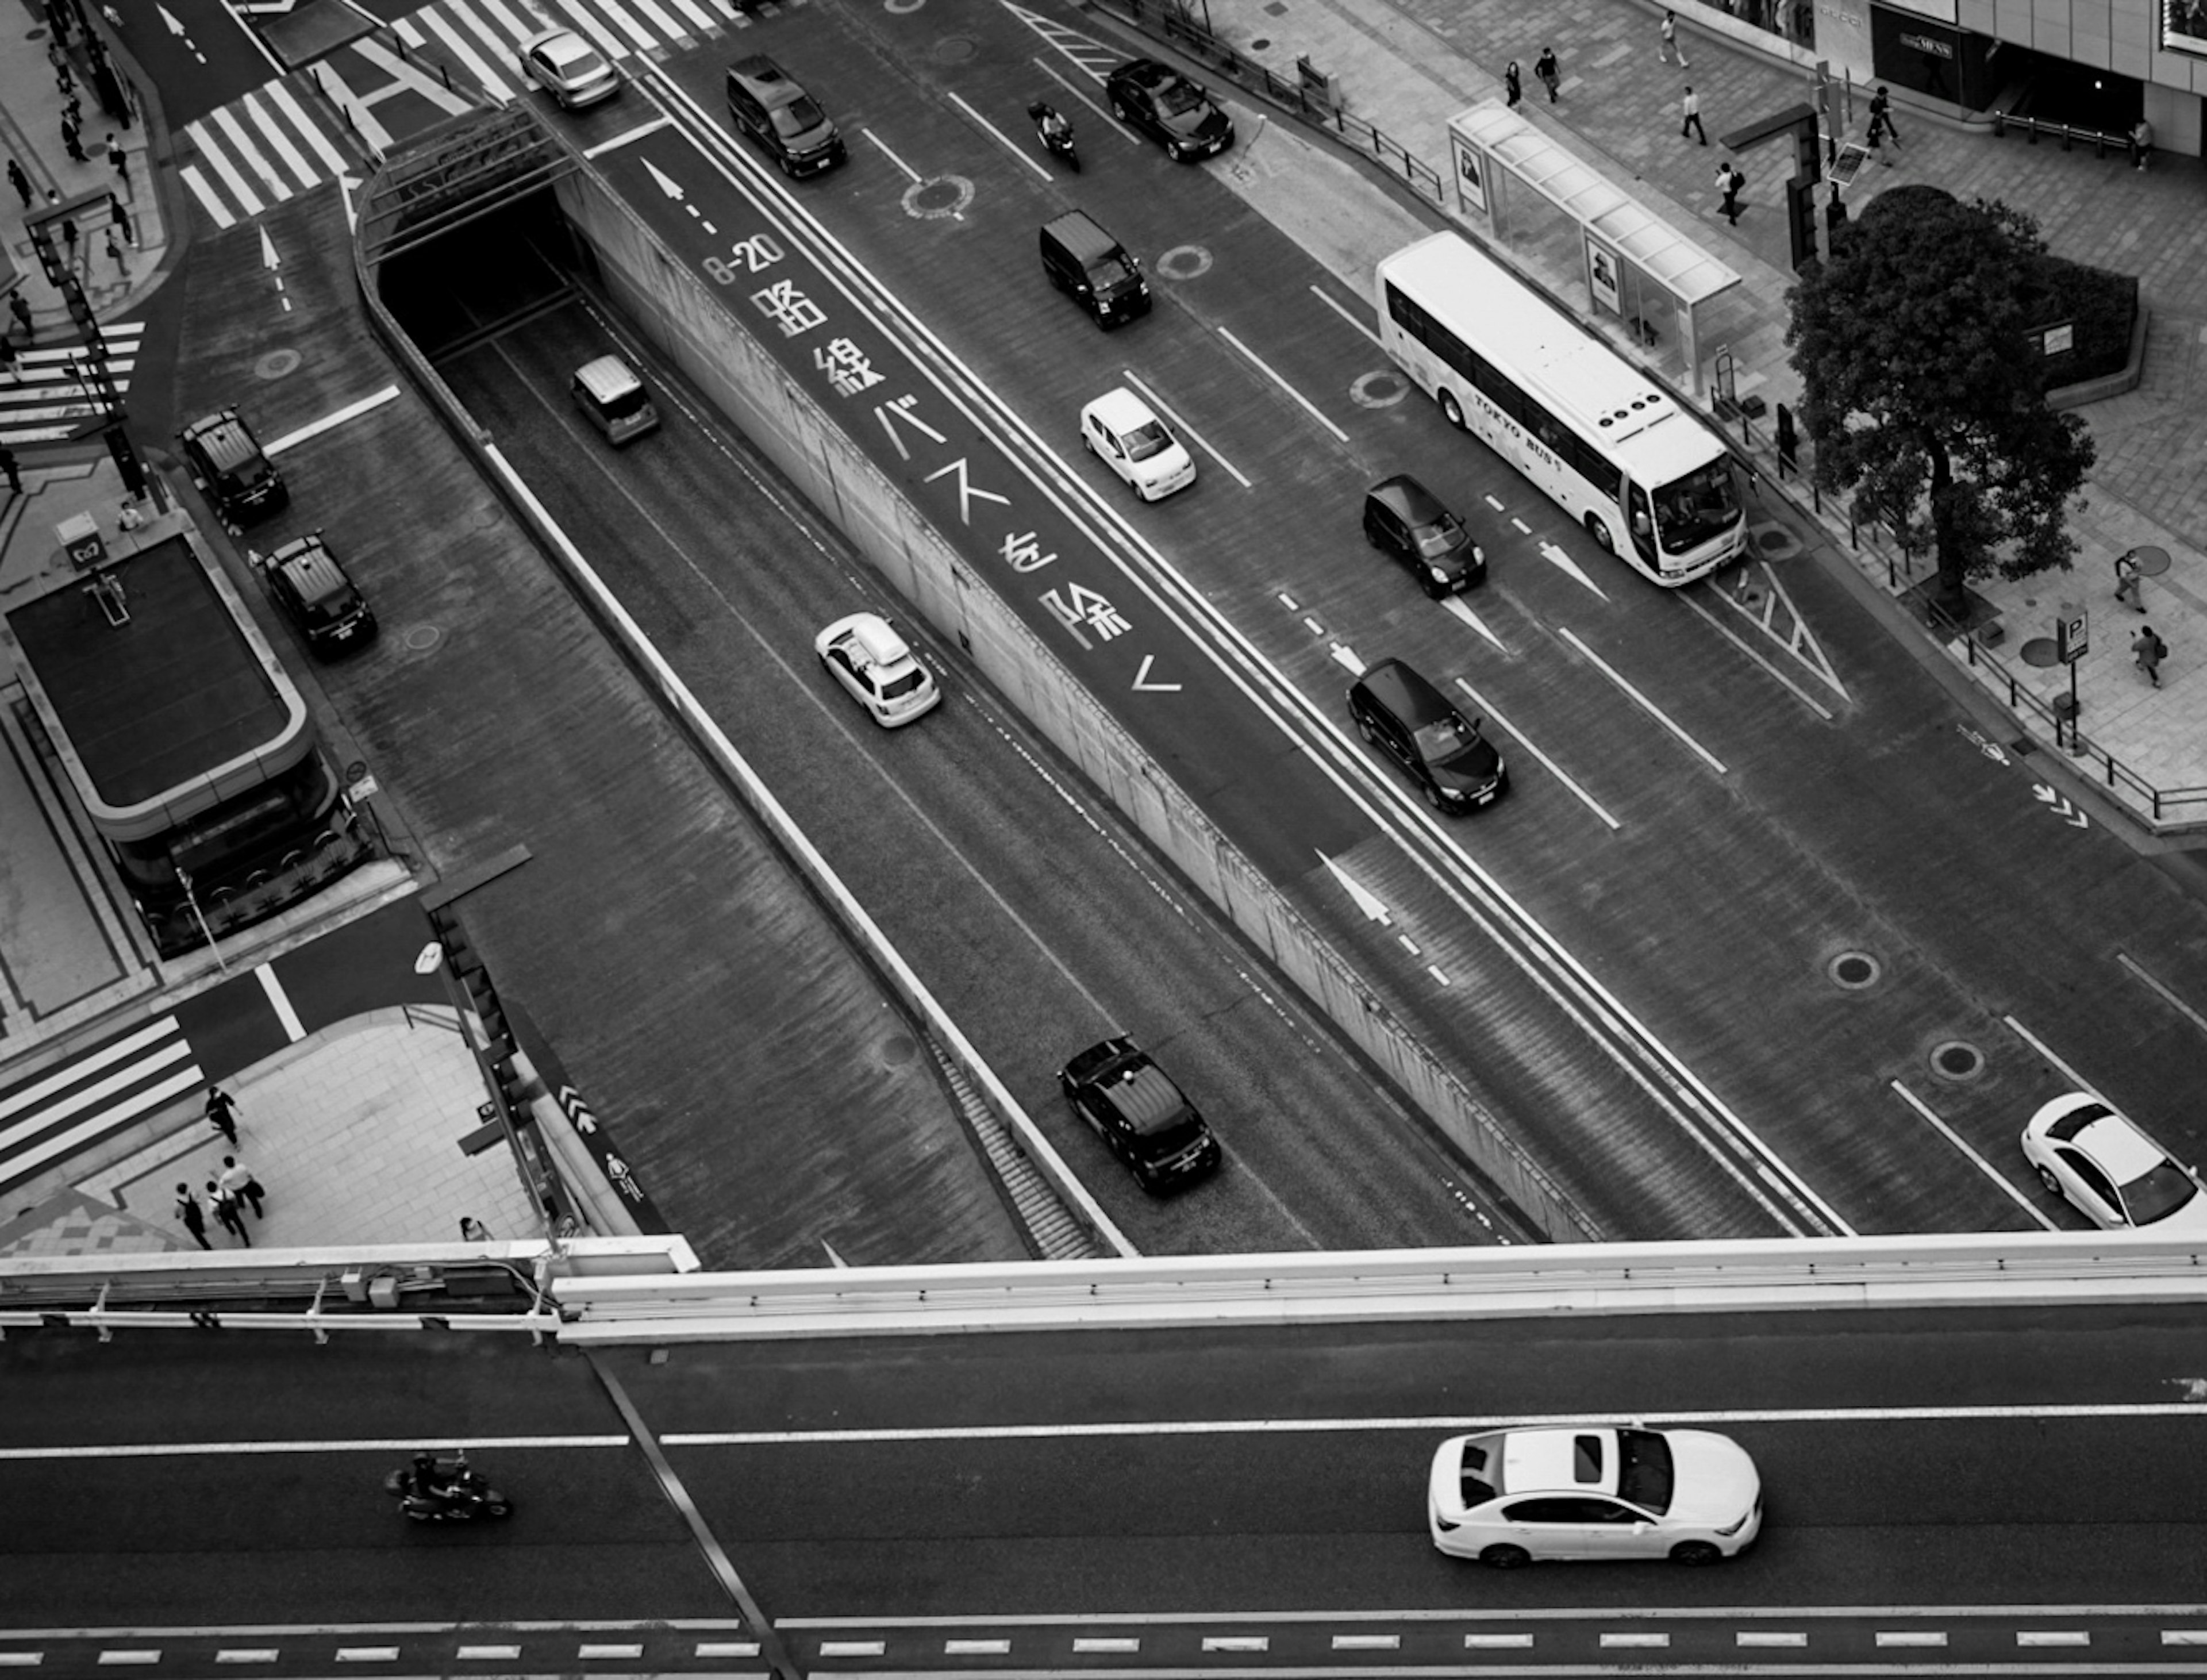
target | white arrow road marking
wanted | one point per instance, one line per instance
(1454, 604)
(1142, 678)
(1367, 902)
(1563, 563)
(2060, 807)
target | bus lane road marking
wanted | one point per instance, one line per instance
(1547, 764)
(1923, 1111)
(1000, 137)
(1280, 379)
(1150, 396)
(1677, 730)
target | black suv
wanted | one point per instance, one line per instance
(228, 461)
(304, 579)
(1169, 109)
(1141, 1114)
(785, 121)
(1403, 518)
(1413, 722)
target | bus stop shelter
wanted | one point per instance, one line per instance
(1577, 231)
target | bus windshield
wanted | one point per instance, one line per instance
(1698, 508)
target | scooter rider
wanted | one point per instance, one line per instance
(1055, 130)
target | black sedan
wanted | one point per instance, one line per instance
(1176, 113)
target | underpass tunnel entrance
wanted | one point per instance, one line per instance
(462, 236)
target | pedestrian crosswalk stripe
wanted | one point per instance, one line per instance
(50, 1115)
(264, 120)
(47, 397)
(278, 187)
(217, 159)
(467, 55)
(280, 95)
(284, 139)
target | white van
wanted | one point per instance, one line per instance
(615, 400)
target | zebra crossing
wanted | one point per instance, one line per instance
(339, 115)
(49, 395)
(47, 1116)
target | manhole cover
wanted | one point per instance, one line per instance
(1957, 1061)
(420, 638)
(944, 195)
(1380, 389)
(953, 50)
(276, 364)
(1854, 971)
(1183, 262)
(899, 1050)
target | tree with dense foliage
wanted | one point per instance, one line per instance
(1921, 390)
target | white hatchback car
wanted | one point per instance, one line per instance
(2118, 1177)
(871, 660)
(1122, 434)
(1514, 1495)
(569, 68)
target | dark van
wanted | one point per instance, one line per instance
(1403, 519)
(1414, 723)
(227, 459)
(786, 122)
(1081, 259)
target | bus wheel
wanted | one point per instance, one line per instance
(1599, 529)
(1452, 410)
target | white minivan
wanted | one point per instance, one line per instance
(608, 391)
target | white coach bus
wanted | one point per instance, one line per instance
(1653, 485)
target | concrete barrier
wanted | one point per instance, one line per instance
(687, 319)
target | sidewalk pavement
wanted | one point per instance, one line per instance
(353, 1132)
(30, 107)
(1407, 66)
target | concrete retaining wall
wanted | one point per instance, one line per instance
(683, 314)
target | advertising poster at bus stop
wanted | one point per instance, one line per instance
(1602, 270)
(1470, 176)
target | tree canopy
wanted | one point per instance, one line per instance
(1920, 386)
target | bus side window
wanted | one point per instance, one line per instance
(1643, 524)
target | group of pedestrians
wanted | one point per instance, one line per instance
(231, 1192)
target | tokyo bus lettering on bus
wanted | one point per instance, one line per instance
(1649, 482)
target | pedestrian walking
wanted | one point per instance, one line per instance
(2149, 650)
(7, 359)
(1671, 41)
(14, 473)
(1881, 116)
(56, 55)
(2127, 581)
(473, 1230)
(221, 1113)
(1690, 108)
(1729, 182)
(64, 83)
(73, 140)
(191, 1216)
(68, 237)
(1550, 74)
(19, 182)
(121, 217)
(2141, 145)
(1513, 83)
(115, 252)
(120, 159)
(21, 311)
(1835, 217)
(227, 1212)
(236, 1177)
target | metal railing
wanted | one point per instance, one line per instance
(2068, 134)
(1886, 540)
(1170, 20)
